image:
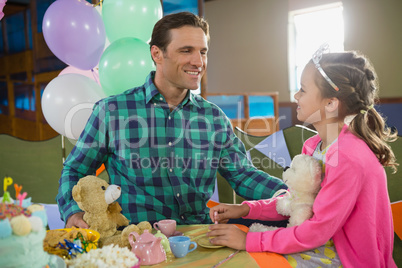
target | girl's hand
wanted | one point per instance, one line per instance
(227, 235)
(223, 212)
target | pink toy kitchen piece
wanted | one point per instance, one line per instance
(167, 227)
(147, 247)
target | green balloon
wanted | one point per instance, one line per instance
(124, 64)
(130, 18)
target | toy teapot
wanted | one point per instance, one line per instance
(147, 247)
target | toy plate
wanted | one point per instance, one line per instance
(204, 242)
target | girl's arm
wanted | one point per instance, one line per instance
(264, 210)
(332, 207)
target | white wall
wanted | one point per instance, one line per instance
(374, 27)
(248, 46)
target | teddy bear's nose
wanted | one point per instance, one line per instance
(118, 188)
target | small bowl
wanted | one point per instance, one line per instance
(93, 236)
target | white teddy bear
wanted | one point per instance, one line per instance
(303, 178)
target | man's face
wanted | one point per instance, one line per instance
(185, 59)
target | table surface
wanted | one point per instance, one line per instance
(208, 257)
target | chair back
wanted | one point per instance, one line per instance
(292, 141)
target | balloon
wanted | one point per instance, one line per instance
(2, 4)
(130, 18)
(99, 10)
(74, 32)
(124, 64)
(93, 74)
(67, 103)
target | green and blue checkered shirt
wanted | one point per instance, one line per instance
(165, 161)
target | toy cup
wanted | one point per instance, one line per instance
(180, 245)
(167, 227)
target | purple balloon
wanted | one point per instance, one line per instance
(74, 32)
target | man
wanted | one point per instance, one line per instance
(161, 143)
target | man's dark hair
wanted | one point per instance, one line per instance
(161, 36)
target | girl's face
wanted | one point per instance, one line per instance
(311, 105)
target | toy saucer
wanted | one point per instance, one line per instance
(176, 233)
(204, 242)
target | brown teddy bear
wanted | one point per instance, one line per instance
(97, 199)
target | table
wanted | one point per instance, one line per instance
(205, 257)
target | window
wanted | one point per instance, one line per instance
(24, 95)
(308, 29)
(3, 98)
(1, 40)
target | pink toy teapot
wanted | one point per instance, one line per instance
(147, 247)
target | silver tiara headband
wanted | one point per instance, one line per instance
(316, 60)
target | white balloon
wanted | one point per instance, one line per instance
(67, 103)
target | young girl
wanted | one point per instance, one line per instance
(352, 222)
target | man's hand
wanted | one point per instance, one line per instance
(77, 220)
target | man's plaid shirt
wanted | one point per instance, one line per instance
(165, 161)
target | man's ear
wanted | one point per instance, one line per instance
(156, 54)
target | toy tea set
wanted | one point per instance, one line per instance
(97, 198)
(152, 249)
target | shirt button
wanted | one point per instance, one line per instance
(171, 170)
(170, 144)
(154, 103)
(170, 118)
(178, 195)
(182, 217)
(161, 98)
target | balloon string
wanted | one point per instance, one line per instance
(95, 76)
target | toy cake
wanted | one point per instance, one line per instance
(22, 230)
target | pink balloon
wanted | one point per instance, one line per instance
(93, 74)
(2, 4)
(74, 32)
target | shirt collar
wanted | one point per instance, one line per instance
(150, 88)
(151, 91)
(193, 99)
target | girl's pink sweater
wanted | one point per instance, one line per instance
(352, 207)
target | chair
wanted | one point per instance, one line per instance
(395, 195)
(53, 216)
(255, 112)
(294, 138)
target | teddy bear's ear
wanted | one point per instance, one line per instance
(77, 193)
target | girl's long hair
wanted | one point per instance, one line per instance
(358, 92)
